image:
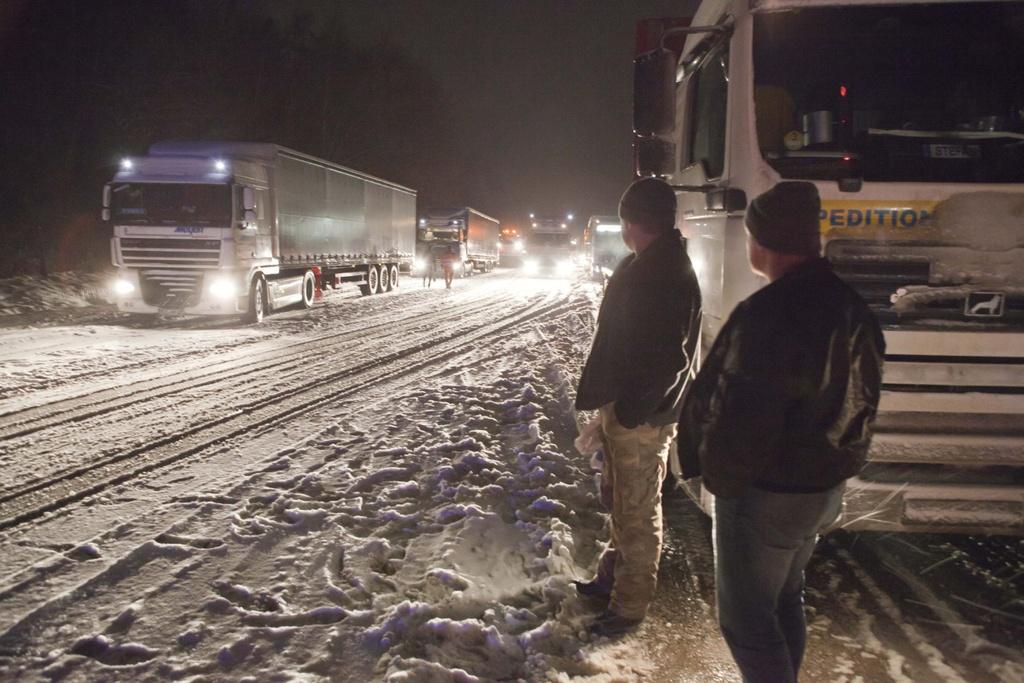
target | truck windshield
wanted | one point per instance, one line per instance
(550, 239)
(928, 93)
(429, 234)
(170, 204)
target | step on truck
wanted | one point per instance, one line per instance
(473, 236)
(238, 228)
(909, 118)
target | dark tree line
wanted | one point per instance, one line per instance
(84, 83)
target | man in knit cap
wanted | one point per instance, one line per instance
(635, 375)
(777, 420)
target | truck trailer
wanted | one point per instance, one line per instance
(908, 117)
(222, 228)
(474, 236)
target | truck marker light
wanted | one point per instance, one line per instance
(126, 164)
(220, 165)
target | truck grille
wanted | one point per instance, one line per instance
(875, 276)
(141, 252)
(171, 288)
(877, 271)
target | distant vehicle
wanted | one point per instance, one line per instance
(606, 248)
(472, 234)
(510, 248)
(921, 182)
(549, 248)
(218, 228)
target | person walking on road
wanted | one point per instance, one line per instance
(448, 259)
(635, 375)
(778, 418)
(430, 270)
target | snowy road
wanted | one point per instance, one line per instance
(385, 488)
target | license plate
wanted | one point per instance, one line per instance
(949, 152)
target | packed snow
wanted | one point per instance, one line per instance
(425, 529)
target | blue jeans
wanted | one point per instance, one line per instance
(763, 542)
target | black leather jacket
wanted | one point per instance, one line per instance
(788, 393)
(646, 336)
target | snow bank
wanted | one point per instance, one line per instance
(31, 294)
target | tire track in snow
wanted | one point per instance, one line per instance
(10, 420)
(294, 371)
(31, 420)
(25, 505)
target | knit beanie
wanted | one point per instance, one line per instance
(649, 202)
(785, 218)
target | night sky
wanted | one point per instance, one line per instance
(508, 106)
(543, 90)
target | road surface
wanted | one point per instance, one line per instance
(385, 487)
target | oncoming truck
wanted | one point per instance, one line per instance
(550, 248)
(473, 235)
(909, 118)
(606, 248)
(219, 228)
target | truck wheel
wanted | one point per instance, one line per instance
(372, 281)
(257, 301)
(308, 289)
(383, 278)
(393, 270)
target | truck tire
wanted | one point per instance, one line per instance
(393, 272)
(308, 289)
(383, 278)
(257, 305)
(372, 285)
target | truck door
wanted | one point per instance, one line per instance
(713, 236)
(255, 239)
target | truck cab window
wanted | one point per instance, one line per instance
(707, 114)
(903, 93)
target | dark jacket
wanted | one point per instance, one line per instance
(787, 395)
(646, 336)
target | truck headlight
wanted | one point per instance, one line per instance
(419, 265)
(531, 267)
(222, 288)
(122, 287)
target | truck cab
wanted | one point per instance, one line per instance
(909, 118)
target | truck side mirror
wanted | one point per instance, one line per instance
(248, 199)
(653, 157)
(654, 101)
(727, 199)
(105, 214)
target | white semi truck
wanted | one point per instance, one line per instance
(221, 228)
(473, 235)
(909, 118)
(550, 248)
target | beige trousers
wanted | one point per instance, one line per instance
(635, 463)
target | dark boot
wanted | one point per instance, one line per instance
(610, 625)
